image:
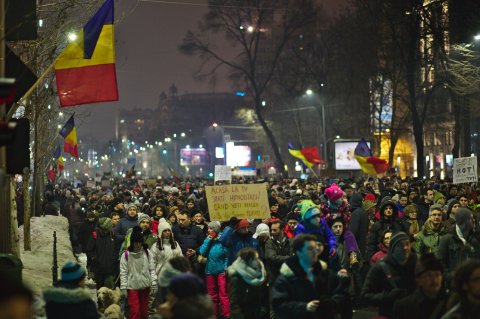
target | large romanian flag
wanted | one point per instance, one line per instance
(369, 164)
(69, 133)
(85, 70)
(309, 156)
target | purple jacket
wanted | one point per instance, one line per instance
(323, 233)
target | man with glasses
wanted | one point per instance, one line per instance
(432, 231)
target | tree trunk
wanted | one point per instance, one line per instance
(457, 110)
(13, 218)
(391, 150)
(467, 148)
(418, 134)
(271, 138)
(27, 242)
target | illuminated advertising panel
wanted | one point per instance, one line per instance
(344, 156)
(193, 157)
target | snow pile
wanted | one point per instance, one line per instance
(37, 263)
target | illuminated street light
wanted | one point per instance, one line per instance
(250, 29)
(72, 36)
(309, 92)
(183, 134)
(477, 37)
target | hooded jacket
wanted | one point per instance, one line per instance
(292, 291)
(64, 302)
(123, 226)
(101, 253)
(234, 242)
(323, 233)
(217, 255)
(246, 289)
(394, 224)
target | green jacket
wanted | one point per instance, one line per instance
(428, 239)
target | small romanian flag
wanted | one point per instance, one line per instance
(57, 152)
(309, 156)
(61, 165)
(369, 164)
(69, 133)
(85, 70)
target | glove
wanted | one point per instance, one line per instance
(233, 222)
(124, 293)
(332, 252)
(312, 306)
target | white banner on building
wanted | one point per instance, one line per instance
(465, 170)
(223, 173)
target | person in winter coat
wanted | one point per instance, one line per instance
(51, 207)
(159, 212)
(69, 298)
(429, 299)
(460, 245)
(172, 268)
(190, 237)
(313, 223)
(246, 278)
(391, 278)
(388, 221)
(345, 238)
(127, 222)
(467, 291)
(87, 228)
(101, 254)
(137, 275)
(428, 239)
(277, 249)
(237, 236)
(292, 223)
(360, 222)
(306, 289)
(162, 251)
(411, 212)
(452, 206)
(382, 248)
(149, 238)
(216, 265)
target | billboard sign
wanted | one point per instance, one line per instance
(193, 157)
(344, 155)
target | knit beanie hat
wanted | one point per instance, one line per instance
(427, 262)
(396, 239)
(333, 193)
(187, 285)
(366, 205)
(371, 197)
(215, 226)
(292, 216)
(450, 203)
(131, 205)
(262, 229)
(142, 217)
(437, 196)
(105, 224)
(72, 271)
(463, 220)
(308, 209)
(136, 236)
(243, 224)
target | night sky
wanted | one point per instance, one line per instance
(148, 60)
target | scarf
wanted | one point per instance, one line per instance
(414, 227)
(253, 273)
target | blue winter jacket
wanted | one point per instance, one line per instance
(234, 242)
(217, 256)
(323, 233)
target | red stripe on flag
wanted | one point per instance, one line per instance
(71, 149)
(90, 84)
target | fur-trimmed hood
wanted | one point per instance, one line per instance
(290, 267)
(253, 274)
(66, 295)
(166, 274)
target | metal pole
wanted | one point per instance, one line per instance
(324, 136)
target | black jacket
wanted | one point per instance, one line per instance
(292, 291)
(386, 282)
(101, 253)
(275, 254)
(85, 232)
(418, 306)
(73, 303)
(359, 223)
(191, 237)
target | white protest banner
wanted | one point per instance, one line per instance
(105, 183)
(465, 170)
(223, 173)
(244, 201)
(90, 184)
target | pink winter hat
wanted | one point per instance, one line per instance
(333, 192)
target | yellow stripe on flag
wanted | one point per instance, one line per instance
(72, 137)
(298, 154)
(72, 56)
(367, 168)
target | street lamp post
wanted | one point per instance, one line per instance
(324, 131)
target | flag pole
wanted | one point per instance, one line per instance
(311, 169)
(51, 157)
(15, 106)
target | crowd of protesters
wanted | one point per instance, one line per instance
(405, 248)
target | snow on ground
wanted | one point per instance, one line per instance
(37, 263)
